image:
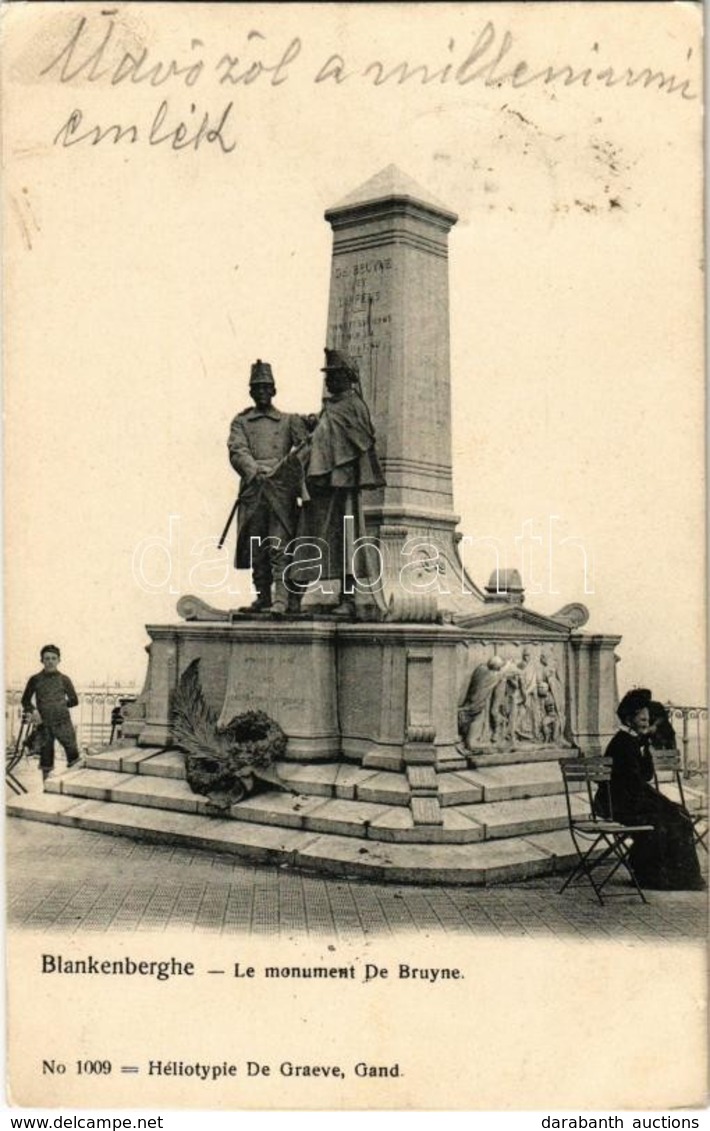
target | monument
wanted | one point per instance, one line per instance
(423, 737)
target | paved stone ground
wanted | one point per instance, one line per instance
(75, 881)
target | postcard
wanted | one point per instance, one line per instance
(354, 504)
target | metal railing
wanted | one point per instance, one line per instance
(92, 718)
(691, 727)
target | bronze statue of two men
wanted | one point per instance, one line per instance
(323, 463)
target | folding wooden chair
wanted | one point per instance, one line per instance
(13, 757)
(601, 842)
(670, 762)
(117, 719)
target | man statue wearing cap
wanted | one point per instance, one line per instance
(261, 440)
(342, 462)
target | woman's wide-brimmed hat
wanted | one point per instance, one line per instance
(634, 700)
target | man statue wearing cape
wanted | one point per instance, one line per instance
(342, 463)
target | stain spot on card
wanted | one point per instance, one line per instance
(26, 219)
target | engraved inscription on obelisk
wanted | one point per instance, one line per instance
(389, 309)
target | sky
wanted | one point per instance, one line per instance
(141, 282)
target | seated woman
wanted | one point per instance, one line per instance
(664, 859)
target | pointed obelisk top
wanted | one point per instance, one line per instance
(391, 183)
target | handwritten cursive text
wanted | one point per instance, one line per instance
(163, 130)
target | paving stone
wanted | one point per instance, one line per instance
(558, 844)
(518, 818)
(52, 785)
(457, 789)
(397, 826)
(349, 778)
(426, 811)
(395, 818)
(348, 818)
(108, 816)
(131, 758)
(384, 789)
(318, 780)
(39, 806)
(388, 760)
(517, 781)
(446, 762)
(276, 809)
(470, 864)
(85, 783)
(110, 760)
(165, 764)
(341, 855)
(418, 754)
(461, 828)
(524, 755)
(506, 859)
(157, 793)
(255, 842)
(423, 779)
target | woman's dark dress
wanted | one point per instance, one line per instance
(664, 859)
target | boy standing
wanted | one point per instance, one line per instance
(47, 698)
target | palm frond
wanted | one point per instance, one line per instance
(193, 723)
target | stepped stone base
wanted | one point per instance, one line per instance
(512, 858)
(473, 826)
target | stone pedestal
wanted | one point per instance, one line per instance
(593, 689)
(384, 696)
(397, 691)
(287, 670)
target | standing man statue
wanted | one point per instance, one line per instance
(261, 439)
(342, 463)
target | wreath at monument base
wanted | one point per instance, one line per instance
(224, 763)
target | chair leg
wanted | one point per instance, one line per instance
(584, 868)
(15, 785)
(578, 871)
(700, 836)
(621, 851)
(615, 847)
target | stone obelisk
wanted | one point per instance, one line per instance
(389, 309)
